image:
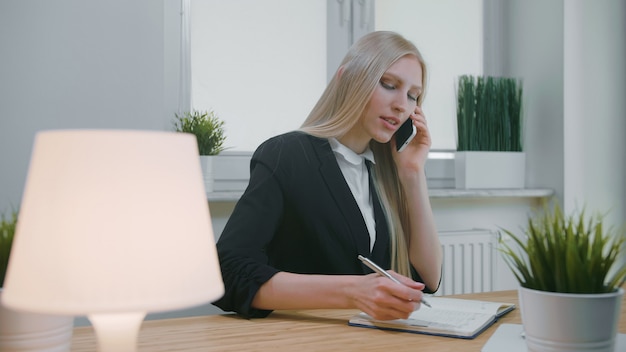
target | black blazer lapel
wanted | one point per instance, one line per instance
(338, 188)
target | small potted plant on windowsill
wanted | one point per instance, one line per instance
(571, 281)
(489, 133)
(209, 131)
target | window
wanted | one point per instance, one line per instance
(448, 33)
(262, 65)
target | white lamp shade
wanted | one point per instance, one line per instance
(113, 221)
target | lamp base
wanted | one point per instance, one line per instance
(117, 332)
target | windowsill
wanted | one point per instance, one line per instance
(439, 173)
(434, 193)
(491, 193)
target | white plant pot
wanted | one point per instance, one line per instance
(489, 170)
(566, 322)
(207, 167)
(226, 172)
(23, 331)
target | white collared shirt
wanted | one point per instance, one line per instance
(354, 170)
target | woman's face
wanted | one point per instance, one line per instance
(391, 103)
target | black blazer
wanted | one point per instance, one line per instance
(296, 215)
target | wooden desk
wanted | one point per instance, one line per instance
(300, 331)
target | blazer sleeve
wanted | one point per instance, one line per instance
(250, 228)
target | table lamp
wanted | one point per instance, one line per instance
(113, 224)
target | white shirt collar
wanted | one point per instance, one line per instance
(349, 155)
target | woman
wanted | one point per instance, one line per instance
(293, 238)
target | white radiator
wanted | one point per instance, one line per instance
(469, 261)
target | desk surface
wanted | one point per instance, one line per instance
(301, 331)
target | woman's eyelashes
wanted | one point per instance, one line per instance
(387, 85)
(392, 86)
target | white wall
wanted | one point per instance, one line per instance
(267, 78)
(595, 108)
(535, 53)
(572, 61)
(80, 64)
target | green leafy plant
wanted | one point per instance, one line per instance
(7, 232)
(206, 126)
(566, 254)
(489, 114)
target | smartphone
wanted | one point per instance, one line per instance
(405, 134)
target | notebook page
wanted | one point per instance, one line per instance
(449, 320)
(465, 305)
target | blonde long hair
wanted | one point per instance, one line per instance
(339, 109)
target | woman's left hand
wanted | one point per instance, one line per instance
(414, 156)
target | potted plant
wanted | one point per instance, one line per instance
(25, 331)
(7, 231)
(570, 276)
(209, 132)
(489, 133)
(206, 126)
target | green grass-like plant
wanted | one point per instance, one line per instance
(206, 126)
(566, 254)
(489, 114)
(7, 232)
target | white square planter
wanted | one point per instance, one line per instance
(489, 170)
(226, 172)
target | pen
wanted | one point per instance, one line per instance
(382, 272)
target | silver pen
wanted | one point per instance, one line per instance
(370, 264)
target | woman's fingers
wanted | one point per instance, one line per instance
(385, 299)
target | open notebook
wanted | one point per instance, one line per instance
(453, 317)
